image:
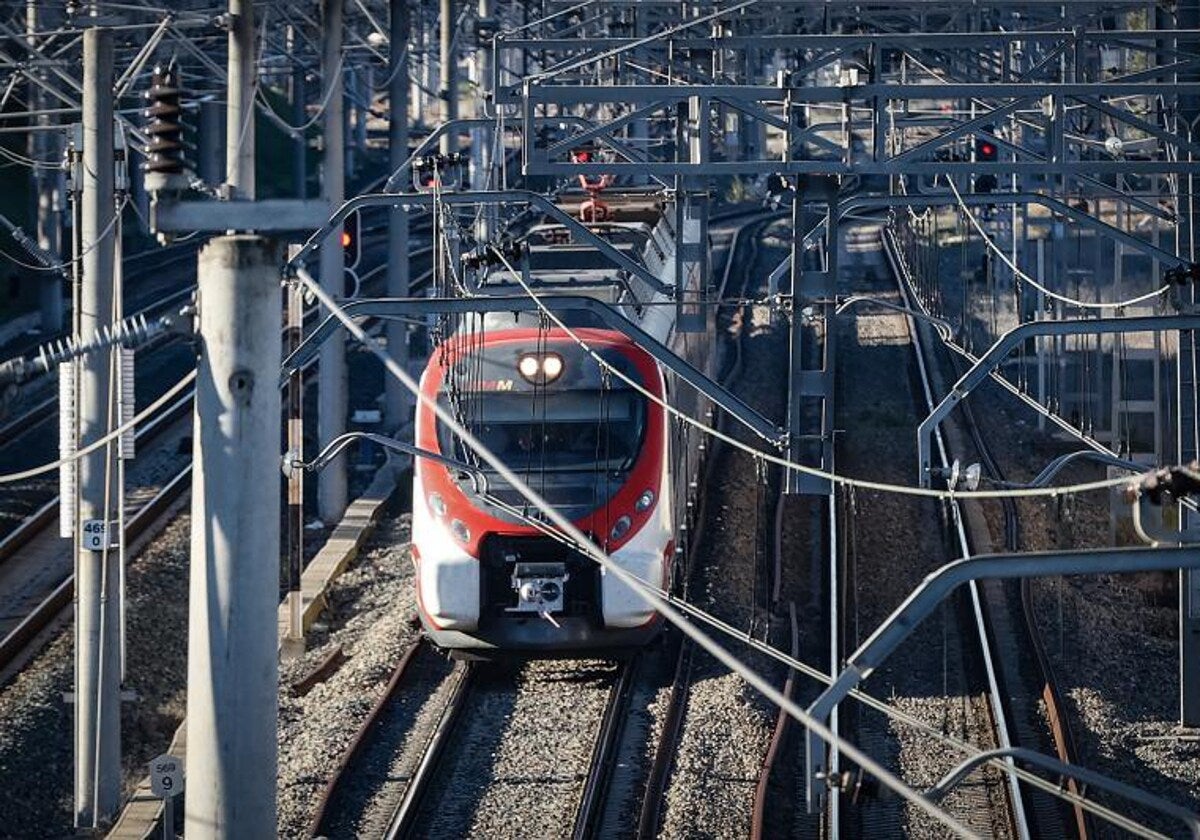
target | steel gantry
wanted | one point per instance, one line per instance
(1088, 109)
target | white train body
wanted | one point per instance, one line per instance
(489, 577)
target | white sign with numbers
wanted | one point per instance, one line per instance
(96, 535)
(166, 776)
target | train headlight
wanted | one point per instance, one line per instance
(644, 501)
(540, 369)
(621, 527)
(461, 532)
(437, 505)
(552, 366)
(529, 366)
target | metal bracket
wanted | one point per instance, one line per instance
(938, 586)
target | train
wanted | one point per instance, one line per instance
(491, 576)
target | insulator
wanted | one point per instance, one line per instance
(66, 450)
(165, 151)
(125, 398)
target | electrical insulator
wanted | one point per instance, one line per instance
(165, 152)
(68, 472)
(126, 443)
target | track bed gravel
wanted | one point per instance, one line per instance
(36, 738)
(727, 725)
(1112, 639)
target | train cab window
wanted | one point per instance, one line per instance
(557, 431)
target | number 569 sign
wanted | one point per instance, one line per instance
(166, 776)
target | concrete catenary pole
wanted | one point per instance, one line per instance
(44, 146)
(449, 74)
(239, 122)
(299, 114)
(396, 399)
(210, 151)
(1187, 18)
(332, 391)
(233, 678)
(97, 644)
(482, 165)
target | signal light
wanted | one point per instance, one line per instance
(985, 150)
(351, 243)
(581, 155)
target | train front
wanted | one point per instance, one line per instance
(491, 575)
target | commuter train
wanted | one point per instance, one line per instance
(492, 577)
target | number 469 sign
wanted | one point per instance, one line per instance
(166, 776)
(97, 535)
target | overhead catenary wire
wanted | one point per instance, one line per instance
(651, 597)
(1048, 292)
(169, 395)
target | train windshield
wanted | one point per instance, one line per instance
(554, 431)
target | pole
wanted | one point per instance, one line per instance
(396, 398)
(211, 148)
(294, 333)
(233, 680)
(1187, 16)
(44, 148)
(449, 75)
(299, 115)
(239, 123)
(97, 653)
(332, 392)
(483, 164)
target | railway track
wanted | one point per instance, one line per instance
(980, 630)
(406, 746)
(1006, 626)
(1045, 812)
(37, 565)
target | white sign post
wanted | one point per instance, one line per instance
(166, 782)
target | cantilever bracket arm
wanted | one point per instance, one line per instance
(1004, 345)
(937, 587)
(606, 314)
(537, 200)
(1080, 774)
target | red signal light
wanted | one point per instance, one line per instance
(987, 149)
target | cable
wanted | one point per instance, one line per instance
(69, 263)
(772, 458)
(647, 593)
(173, 392)
(1032, 282)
